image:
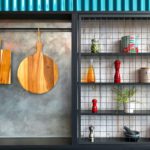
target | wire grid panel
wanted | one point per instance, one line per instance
(108, 33)
(112, 126)
(104, 68)
(107, 98)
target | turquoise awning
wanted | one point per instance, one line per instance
(74, 5)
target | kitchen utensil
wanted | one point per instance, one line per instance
(132, 137)
(94, 107)
(91, 134)
(5, 65)
(128, 130)
(117, 78)
(38, 73)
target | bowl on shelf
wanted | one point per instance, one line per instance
(134, 137)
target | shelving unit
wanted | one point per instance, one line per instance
(109, 121)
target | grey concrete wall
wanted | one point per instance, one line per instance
(23, 114)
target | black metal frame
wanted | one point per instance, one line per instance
(75, 113)
(74, 79)
(108, 15)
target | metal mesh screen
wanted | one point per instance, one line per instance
(109, 121)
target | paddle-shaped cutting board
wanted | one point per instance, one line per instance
(5, 66)
(38, 73)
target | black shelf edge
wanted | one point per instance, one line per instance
(115, 112)
(113, 84)
(114, 54)
(36, 141)
(121, 140)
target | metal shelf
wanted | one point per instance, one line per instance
(116, 112)
(114, 54)
(121, 140)
(112, 84)
(36, 141)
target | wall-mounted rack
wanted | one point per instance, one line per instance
(109, 121)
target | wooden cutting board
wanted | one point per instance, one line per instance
(5, 67)
(38, 73)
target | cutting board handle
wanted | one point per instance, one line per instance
(1, 43)
(39, 44)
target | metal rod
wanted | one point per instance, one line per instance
(35, 29)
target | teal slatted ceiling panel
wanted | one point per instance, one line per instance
(118, 5)
(78, 5)
(134, 5)
(102, 5)
(94, 5)
(75, 5)
(14, 5)
(1, 5)
(22, 5)
(47, 5)
(86, 4)
(62, 5)
(142, 5)
(69, 5)
(110, 5)
(30, 5)
(126, 5)
(39, 5)
(6, 5)
(148, 5)
(55, 5)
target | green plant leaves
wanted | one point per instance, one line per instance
(123, 95)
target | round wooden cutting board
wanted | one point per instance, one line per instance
(38, 73)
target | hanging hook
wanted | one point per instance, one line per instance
(0, 42)
(39, 35)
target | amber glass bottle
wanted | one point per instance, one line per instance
(91, 73)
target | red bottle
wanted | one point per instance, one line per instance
(94, 107)
(117, 78)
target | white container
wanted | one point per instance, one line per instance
(144, 75)
(131, 107)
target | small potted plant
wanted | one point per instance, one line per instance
(123, 96)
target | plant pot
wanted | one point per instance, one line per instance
(131, 107)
